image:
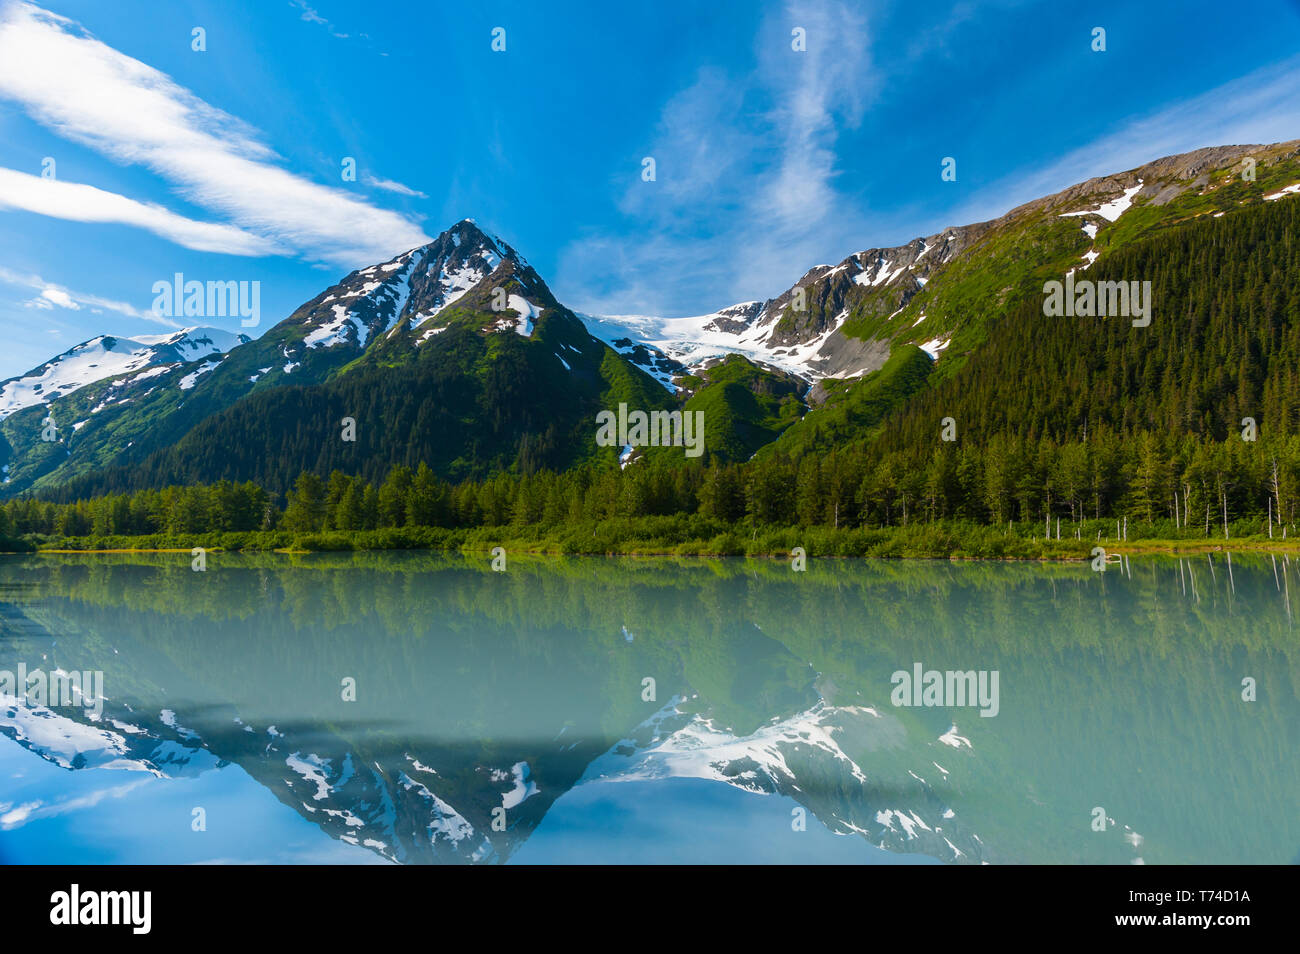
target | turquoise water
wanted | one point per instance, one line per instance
(417, 708)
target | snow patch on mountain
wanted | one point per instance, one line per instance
(455, 285)
(527, 312)
(952, 738)
(334, 331)
(1112, 210)
(62, 740)
(524, 787)
(695, 340)
(190, 379)
(936, 346)
(884, 272)
(908, 821)
(445, 822)
(314, 769)
(701, 749)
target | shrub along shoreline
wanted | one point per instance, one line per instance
(689, 536)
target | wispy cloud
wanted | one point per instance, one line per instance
(390, 185)
(12, 817)
(313, 16)
(85, 203)
(745, 195)
(51, 295)
(93, 94)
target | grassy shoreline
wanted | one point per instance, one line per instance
(677, 538)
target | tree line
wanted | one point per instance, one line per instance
(1185, 484)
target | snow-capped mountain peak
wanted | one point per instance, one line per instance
(107, 356)
(417, 287)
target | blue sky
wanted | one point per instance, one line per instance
(225, 164)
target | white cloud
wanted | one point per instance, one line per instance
(93, 94)
(59, 297)
(85, 203)
(390, 185)
(50, 295)
(30, 811)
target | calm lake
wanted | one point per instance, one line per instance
(423, 709)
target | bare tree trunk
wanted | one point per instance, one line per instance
(1277, 495)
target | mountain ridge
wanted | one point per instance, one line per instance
(845, 331)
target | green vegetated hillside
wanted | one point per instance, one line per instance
(852, 410)
(1221, 346)
(744, 406)
(1008, 260)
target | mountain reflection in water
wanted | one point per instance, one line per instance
(626, 710)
